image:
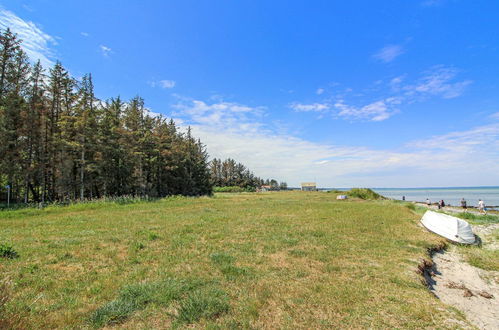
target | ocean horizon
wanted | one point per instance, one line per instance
(450, 195)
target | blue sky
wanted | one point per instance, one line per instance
(345, 93)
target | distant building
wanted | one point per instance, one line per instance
(265, 188)
(308, 186)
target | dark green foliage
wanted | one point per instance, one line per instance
(207, 303)
(8, 252)
(230, 176)
(60, 143)
(364, 193)
(233, 189)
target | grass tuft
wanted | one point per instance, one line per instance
(207, 303)
(8, 252)
(136, 297)
(113, 312)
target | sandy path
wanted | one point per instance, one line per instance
(473, 291)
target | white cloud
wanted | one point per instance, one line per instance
(167, 84)
(315, 107)
(105, 50)
(438, 81)
(220, 116)
(239, 131)
(319, 91)
(375, 111)
(495, 116)
(36, 43)
(85, 34)
(388, 53)
(395, 82)
(28, 8)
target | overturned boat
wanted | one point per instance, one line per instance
(452, 228)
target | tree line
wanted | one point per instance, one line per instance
(229, 173)
(59, 142)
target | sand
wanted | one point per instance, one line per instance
(471, 290)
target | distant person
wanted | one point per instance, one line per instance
(441, 204)
(463, 205)
(481, 207)
(403, 198)
(428, 202)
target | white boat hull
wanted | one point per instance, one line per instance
(452, 228)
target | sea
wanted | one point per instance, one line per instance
(450, 195)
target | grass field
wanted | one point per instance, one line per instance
(250, 260)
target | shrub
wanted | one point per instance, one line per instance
(233, 189)
(8, 252)
(364, 193)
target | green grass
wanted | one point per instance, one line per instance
(478, 219)
(233, 189)
(7, 251)
(252, 260)
(364, 193)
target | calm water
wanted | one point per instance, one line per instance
(490, 195)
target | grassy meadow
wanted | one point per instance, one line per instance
(248, 260)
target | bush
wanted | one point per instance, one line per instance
(8, 252)
(233, 189)
(364, 193)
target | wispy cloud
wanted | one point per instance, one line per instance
(85, 34)
(438, 81)
(167, 84)
(319, 91)
(106, 51)
(28, 8)
(495, 116)
(314, 107)
(375, 111)
(36, 43)
(388, 53)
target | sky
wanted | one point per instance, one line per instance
(344, 93)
